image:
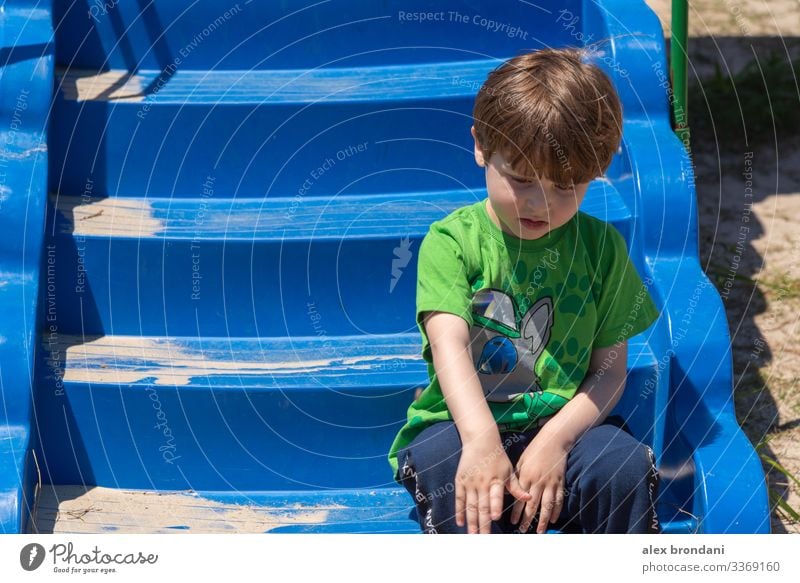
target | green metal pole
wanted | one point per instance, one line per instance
(679, 69)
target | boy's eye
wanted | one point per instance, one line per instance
(563, 187)
(521, 180)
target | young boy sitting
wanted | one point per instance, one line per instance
(525, 305)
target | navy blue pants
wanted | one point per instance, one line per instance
(611, 481)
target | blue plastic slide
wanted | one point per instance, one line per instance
(209, 219)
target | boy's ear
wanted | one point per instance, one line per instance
(479, 159)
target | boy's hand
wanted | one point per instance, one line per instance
(484, 472)
(541, 469)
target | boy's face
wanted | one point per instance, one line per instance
(523, 207)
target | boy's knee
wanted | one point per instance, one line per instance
(633, 466)
(624, 469)
(436, 453)
(427, 469)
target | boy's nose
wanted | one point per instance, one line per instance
(535, 199)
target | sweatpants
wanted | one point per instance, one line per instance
(611, 482)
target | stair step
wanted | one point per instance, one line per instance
(358, 137)
(236, 267)
(296, 86)
(66, 509)
(77, 509)
(303, 363)
(243, 34)
(246, 414)
(272, 219)
(361, 130)
(215, 414)
(287, 218)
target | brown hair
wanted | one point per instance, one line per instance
(551, 114)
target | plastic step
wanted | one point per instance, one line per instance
(237, 267)
(267, 133)
(243, 34)
(223, 413)
(243, 414)
(65, 509)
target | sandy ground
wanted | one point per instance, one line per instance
(759, 267)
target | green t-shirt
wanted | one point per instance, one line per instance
(535, 308)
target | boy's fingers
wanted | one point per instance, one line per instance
(519, 503)
(516, 489)
(516, 511)
(558, 507)
(472, 511)
(484, 513)
(530, 508)
(546, 511)
(527, 517)
(496, 492)
(461, 502)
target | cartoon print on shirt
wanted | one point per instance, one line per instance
(505, 347)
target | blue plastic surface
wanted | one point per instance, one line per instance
(26, 73)
(236, 196)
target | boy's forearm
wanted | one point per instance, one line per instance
(463, 394)
(594, 400)
(458, 379)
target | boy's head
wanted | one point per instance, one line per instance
(545, 125)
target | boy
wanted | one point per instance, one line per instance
(525, 305)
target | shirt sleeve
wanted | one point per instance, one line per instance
(625, 307)
(442, 280)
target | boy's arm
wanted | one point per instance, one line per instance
(448, 335)
(543, 464)
(484, 470)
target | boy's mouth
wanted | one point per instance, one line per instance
(529, 224)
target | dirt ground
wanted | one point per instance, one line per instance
(755, 270)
